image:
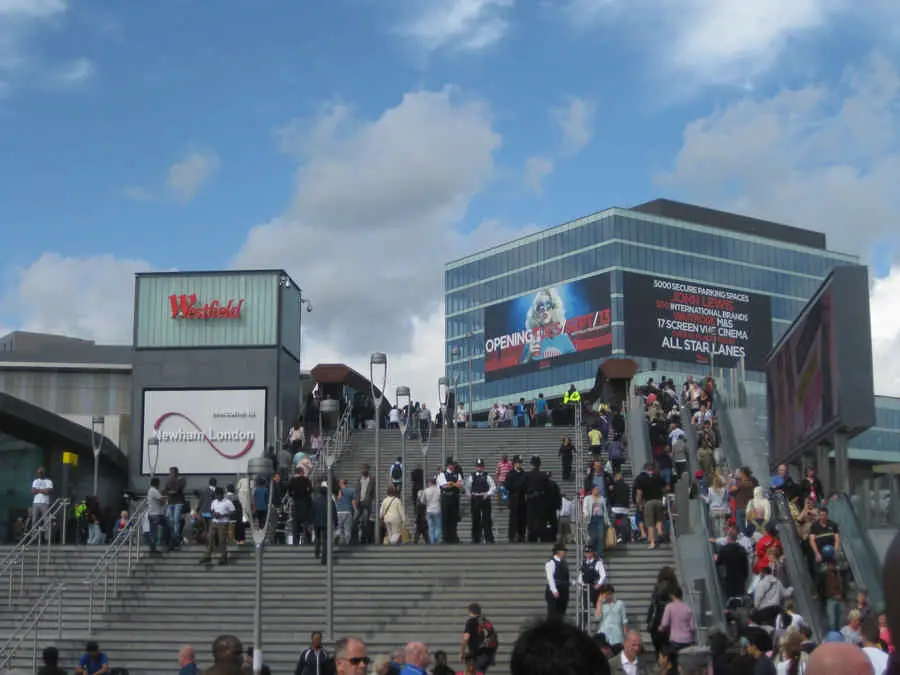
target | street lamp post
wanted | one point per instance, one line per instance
(330, 407)
(259, 467)
(98, 426)
(471, 354)
(424, 441)
(378, 360)
(443, 392)
(455, 389)
(404, 398)
(152, 455)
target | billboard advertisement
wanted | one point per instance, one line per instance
(818, 379)
(688, 321)
(203, 431)
(555, 325)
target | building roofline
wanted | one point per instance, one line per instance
(207, 273)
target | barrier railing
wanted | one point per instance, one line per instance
(858, 550)
(105, 573)
(39, 537)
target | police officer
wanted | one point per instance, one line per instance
(592, 576)
(451, 483)
(515, 485)
(481, 490)
(553, 503)
(556, 571)
(536, 484)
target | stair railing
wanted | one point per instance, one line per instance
(39, 537)
(337, 442)
(127, 544)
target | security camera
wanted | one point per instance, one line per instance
(308, 306)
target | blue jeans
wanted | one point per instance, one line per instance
(740, 519)
(435, 527)
(95, 535)
(520, 421)
(597, 534)
(174, 513)
(158, 531)
(834, 613)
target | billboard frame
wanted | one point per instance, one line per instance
(142, 423)
(854, 407)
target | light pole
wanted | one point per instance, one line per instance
(471, 354)
(443, 392)
(98, 426)
(259, 467)
(330, 407)
(424, 441)
(404, 398)
(378, 360)
(152, 455)
(455, 404)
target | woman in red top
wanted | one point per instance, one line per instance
(769, 540)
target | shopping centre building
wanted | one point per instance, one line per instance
(213, 374)
(674, 287)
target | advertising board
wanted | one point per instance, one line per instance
(819, 376)
(203, 431)
(687, 321)
(555, 325)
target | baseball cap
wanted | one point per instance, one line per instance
(833, 636)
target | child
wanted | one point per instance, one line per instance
(122, 522)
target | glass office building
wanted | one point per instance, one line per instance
(660, 238)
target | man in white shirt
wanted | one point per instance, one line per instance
(156, 511)
(565, 520)
(431, 498)
(870, 638)
(628, 661)
(221, 509)
(556, 572)
(42, 489)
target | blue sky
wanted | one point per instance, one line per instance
(364, 142)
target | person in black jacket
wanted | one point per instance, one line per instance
(536, 489)
(666, 587)
(321, 501)
(515, 485)
(811, 487)
(735, 563)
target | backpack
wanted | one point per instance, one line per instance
(396, 472)
(488, 634)
(615, 451)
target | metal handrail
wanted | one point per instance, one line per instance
(107, 569)
(14, 561)
(337, 441)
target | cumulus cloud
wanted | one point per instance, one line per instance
(576, 121)
(375, 211)
(97, 306)
(886, 332)
(537, 168)
(73, 74)
(186, 177)
(458, 25)
(729, 42)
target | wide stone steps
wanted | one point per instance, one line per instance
(386, 595)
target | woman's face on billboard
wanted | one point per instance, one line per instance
(543, 307)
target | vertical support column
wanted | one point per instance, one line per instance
(841, 464)
(822, 467)
(894, 513)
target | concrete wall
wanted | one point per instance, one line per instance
(205, 369)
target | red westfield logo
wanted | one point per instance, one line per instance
(187, 307)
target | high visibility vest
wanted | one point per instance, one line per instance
(571, 397)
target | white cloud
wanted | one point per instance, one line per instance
(459, 25)
(89, 297)
(537, 168)
(822, 157)
(138, 193)
(576, 121)
(886, 332)
(729, 42)
(375, 212)
(188, 176)
(74, 74)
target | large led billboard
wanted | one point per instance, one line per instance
(203, 431)
(677, 320)
(558, 324)
(819, 377)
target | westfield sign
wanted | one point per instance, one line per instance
(188, 307)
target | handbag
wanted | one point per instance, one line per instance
(610, 539)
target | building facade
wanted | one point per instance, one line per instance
(668, 244)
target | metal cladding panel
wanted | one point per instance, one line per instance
(226, 310)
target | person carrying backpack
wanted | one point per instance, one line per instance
(396, 474)
(480, 641)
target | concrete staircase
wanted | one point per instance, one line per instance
(385, 595)
(488, 444)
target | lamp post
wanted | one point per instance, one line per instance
(424, 441)
(443, 392)
(404, 398)
(152, 455)
(259, 467)
(471, 354)
(98, 425)
(330, 407)
(378, 360)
